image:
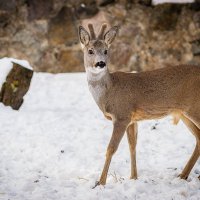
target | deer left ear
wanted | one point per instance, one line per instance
(110, 35)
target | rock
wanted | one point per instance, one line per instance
(68, 60)
(16, 85)
(39, 9)
(8, 5)
(145, 2)
(105, 2)
(124, 52)
(4, 19)
(72, 60)
(196, 47)
(3, 52)
(195, 6)
(85, 8)
(196, 19)
(165, 17)
(62, 28)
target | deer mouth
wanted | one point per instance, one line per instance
(100, 66)
(96, 69)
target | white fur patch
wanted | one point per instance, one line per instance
(95, 74)
(96, 70)
(97, 92)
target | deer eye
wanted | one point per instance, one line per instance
(106, 51)
(91, 52)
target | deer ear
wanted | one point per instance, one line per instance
(110, 35)
(83, 36)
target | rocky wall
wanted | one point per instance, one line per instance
(45, 33)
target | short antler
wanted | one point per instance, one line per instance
(102, 31)
(92, 33)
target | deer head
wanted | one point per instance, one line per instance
(96, 48)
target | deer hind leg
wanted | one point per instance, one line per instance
(196, 132)
(119, 128)
(132, 140)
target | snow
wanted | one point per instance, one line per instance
(54, 149)
(155, 2)
(6, 65)
(23, 63)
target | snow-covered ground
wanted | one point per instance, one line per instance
(54, 149)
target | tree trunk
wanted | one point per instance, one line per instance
(16, 86)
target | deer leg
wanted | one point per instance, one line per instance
(196, 132)
(118, 131)
(132, 140)
(195, 118)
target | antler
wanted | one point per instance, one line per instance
(92, 33)
(101, 32)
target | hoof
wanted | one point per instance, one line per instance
(97, 183)
(182, 176)
(133, 177)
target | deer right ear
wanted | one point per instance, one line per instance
(83, 36)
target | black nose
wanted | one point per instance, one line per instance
(100, 64)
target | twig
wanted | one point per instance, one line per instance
(80, 178)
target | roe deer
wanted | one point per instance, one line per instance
(126, 98)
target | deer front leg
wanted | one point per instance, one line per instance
(132, 140)
(119, 128)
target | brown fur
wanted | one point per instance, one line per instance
(126, 98)
(153, 94)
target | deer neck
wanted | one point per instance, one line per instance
(99, 83)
